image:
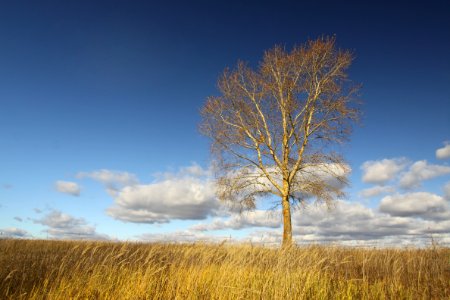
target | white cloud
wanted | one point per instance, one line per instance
(57, 219)
(67, 187)
(182, 236)
(189, 194)
(112, 180)
(195, 170)
(382, 171)
(347, 224)
(330, 178)
(444, 152)
(420, 204)
(109, 177)
(182, 196)
(420, 171)
(347, 221)
(376, 190)
(256, 218)
(64, 226)
(13, 232)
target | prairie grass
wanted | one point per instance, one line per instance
(34, 269)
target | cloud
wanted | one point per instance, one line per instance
(188, 197)
(190, 194)
(182, 236)
(37, 210)
(382, 171)
(19, 219)
(67, 187)
(112, 180)
(421, 204)
(358, 225)
(347, 221)
(14, 232)
(109, 177)
(444, 152)
(7, 186)
(420, 171)
(256, 218)
(331, 176)
(64, 226)
(347, 224)
(194, 170)
(375, 191)
(313, 182)
(57, 219)
(447, 191)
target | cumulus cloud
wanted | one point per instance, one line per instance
(193, 170)
(313, 182)
(444, 152)
(421, 204)
(190, 194)
(67, 187)
(109, 177)
(256, 218)
(376, 190)
(347, 221)
(420, 171)
(112, 180)
(382, 171)
(14, 232)
(330, 175)
(347, 224)
(182, 236)
(184, 198)
(64, 226)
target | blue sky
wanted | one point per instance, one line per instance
(100, 107)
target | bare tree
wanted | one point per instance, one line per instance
(275, 129)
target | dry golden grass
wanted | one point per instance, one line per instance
(32, 269)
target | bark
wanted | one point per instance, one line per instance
(287, 226)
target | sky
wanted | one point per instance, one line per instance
(99, 115)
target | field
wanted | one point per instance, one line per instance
(33, 269)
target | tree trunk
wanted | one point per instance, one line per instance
(287, 227)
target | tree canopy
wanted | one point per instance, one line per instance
(275, 128)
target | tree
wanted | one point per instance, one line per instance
(275, 128)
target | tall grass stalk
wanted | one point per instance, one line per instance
(33, 269)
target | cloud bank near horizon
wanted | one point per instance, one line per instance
(404, 213)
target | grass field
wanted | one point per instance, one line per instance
(32, 269)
